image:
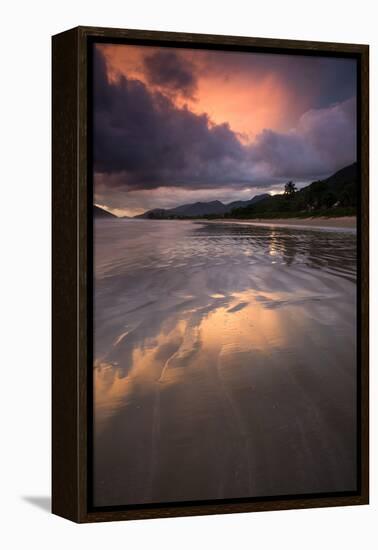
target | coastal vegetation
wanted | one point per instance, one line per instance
(332, 197)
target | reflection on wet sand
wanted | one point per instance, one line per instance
(224, 361)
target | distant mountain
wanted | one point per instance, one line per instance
(154, 213)
(198, 209)
(101, 213)
(333, 196)
(243, 204)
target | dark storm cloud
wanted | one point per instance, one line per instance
(151, 142)
(142, 140)
(166, 69)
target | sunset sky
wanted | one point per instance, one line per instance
(173, 126)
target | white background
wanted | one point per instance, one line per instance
(25, 273)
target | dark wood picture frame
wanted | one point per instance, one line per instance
(71, 294)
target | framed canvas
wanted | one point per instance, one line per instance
(210, 274)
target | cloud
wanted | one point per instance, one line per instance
(323, 142)
(321, 81)
(174, 74)
(144, 141)
(150, 142)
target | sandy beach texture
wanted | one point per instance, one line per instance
(225, 361)
(347, 222)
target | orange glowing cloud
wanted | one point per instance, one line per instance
(247, 102)
(247, 106)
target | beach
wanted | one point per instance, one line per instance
(224, 360)
(343, 222)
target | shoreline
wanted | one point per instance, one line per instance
(344, 222)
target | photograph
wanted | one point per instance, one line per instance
(226, 208)
(189, 275)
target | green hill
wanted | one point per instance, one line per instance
(333, 196)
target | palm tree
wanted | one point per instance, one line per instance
(290, 189)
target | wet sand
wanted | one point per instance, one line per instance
(224, 361)
(346, 222)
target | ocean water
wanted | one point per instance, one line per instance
(224, 361)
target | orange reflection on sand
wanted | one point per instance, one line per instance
(231, 335)
(110, 391)
(246, 326)
(115, 383)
